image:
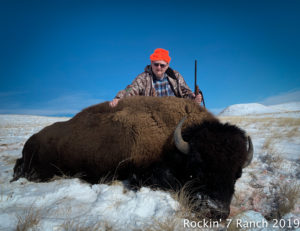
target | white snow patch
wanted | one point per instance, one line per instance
(282, 110)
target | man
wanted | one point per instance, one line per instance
(158, 79)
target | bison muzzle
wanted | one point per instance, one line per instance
(146, 141)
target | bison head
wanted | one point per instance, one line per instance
(215, 155)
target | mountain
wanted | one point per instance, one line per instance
(286, 109)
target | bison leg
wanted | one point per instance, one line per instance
(156, 176)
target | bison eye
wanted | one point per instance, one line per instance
(191, 176)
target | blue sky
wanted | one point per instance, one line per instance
(58, 57)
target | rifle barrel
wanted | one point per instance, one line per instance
(195, 73)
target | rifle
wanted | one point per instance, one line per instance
(197, 90)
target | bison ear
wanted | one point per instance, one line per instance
(249, 153)
(181, 145)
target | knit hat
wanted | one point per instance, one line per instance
(160, 54)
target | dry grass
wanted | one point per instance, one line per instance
(3, 196)
(169, 224)
(293, 133)
(280, 122)
(29, 219)
(267, 145)
(65, 176)
(156, 225)
(243, 120)
(277, 161)
(273, 160)
(276, 136)
(106, 179)
(253, 175)
(291, 122)
(187, 204)
(289, 194)
(73, 225)
(285, 197)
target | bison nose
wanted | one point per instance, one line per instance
(218, 214)
(213, 209)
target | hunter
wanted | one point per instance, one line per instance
(159, 80)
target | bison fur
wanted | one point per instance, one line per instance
(134, 141)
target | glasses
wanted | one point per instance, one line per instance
(159, 64)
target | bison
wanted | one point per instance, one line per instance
(150, 141)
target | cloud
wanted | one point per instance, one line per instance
(291, 96)
(75, 101)
(63, 105)
(41, 112)
(11, 93)
(70, 104)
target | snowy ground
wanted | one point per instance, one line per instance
(269, 187)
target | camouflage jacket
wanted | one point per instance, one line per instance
(143, 85)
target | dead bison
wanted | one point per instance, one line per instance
(137, 142)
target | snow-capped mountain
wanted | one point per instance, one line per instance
(260, 109)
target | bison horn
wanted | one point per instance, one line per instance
(250, 153)
(181, 145)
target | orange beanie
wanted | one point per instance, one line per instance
(160, 54)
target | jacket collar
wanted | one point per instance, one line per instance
(170, 73)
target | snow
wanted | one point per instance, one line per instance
(247, 109)
(72, 204)
(287, 110)
(70, 199)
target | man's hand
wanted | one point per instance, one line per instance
(114, 102)
(198, 98)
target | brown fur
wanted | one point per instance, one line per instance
(139, 130)
(134, 141)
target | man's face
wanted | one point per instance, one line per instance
(159, 68)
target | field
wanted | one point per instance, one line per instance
(268, 189)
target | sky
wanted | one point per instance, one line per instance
(58, 57)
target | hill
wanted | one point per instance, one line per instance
(257, 109)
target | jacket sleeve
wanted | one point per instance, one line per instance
(135, 88)
(184, 88)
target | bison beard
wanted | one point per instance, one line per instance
(134, 142)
